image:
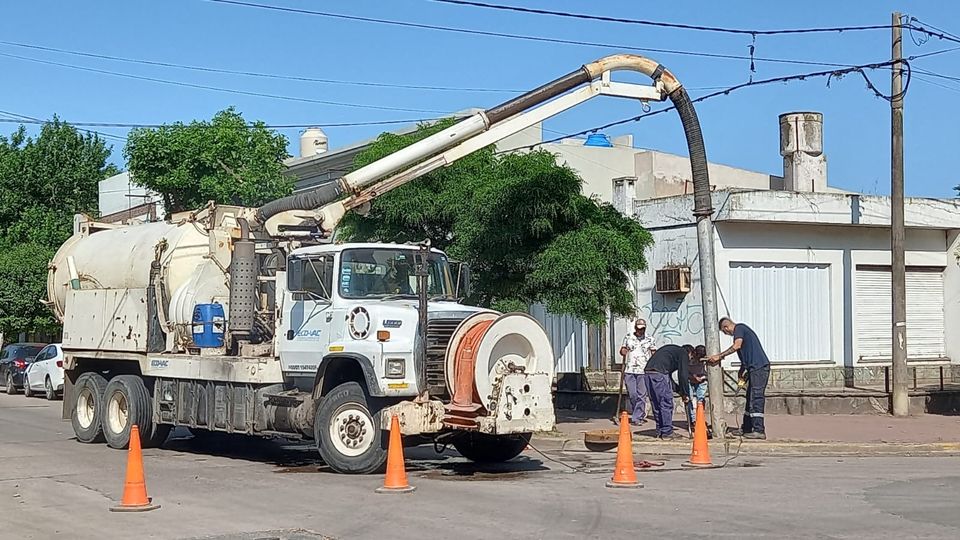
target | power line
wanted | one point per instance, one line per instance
(662, 24)
(542, 39)
(830, 74)
(217, 88)
(207, 69)
(24, 119)
(132, 125)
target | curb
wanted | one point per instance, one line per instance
(767, 448)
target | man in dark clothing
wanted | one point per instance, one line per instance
(755, 368)
(667, 360)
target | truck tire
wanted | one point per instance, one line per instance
(483, 448)
(88, 407)
(347, 431)
(126, 402)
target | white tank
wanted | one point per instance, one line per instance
(313, 141)
(120, 259)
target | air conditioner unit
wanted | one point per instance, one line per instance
(673, 280)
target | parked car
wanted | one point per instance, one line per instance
(14, 361)
(45, 374)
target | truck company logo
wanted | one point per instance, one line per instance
(159, 364)
(309, 335)
(391, 323)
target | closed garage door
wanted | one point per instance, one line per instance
(787, 305)
(924, 313)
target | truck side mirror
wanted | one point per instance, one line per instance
(462, 277)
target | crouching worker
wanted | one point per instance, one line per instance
(755, 368)
(698, 387)
(668, 360)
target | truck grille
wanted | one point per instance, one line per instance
(439, 332)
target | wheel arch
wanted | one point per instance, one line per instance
(342, 367)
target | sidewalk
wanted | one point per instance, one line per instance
(788, 434)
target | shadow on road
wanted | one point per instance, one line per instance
(302, 457)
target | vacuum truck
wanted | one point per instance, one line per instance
(252, 321)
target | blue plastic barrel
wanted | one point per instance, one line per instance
(208, 325)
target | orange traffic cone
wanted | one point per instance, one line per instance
(700, 455)
(624, 475)
(396, 479)
(135, 488)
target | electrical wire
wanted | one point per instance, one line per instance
(218, 88)
(523, 37)
(662, 24)
(830, 74)
(24, 119)
(270, 126)
(207, 69)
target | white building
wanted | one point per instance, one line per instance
(120, 199)
(809, 272)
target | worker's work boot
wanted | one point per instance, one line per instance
(755, 435)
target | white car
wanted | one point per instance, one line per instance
(45, 374)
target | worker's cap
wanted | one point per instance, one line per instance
(640, 323)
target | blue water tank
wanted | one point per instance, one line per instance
(208, 325)
(598, 139)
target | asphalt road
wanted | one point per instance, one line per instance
(53, 487)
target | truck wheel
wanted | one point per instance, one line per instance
(483, 448)
(348, 433)
(126, 402)
(88, 407)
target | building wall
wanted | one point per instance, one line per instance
(678, 318)
(118, 194)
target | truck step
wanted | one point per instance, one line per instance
(291, 398)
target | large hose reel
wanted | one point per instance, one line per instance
(485, 348)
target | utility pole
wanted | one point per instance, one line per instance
(901, 401)
(711, 328)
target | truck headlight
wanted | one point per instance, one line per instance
(396, 368)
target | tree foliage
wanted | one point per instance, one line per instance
(225, 160)
(522, 224)
(44, 181)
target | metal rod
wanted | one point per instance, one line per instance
(901, 402)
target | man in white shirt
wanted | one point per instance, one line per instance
(636, 351)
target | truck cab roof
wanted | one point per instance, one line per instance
(334, 248)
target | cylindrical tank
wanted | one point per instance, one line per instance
(120, 259)
(801, 132)
(313, 141)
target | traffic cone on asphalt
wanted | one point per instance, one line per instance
(624, 475)
(700, 455)
(396, 479)
(135, 488)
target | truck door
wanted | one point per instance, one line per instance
(308, 313)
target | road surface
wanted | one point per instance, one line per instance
(53, 487)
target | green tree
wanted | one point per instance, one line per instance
(522, 224)
(225, 160)
(44, 181)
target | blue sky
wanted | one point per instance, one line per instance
(740, 129)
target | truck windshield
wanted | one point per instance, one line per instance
(383, 272)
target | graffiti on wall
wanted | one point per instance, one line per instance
(672, 321)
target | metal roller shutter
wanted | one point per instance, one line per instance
(787, 305)
(924, 313)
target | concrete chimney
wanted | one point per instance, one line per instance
(624, 194)
(801, 145)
